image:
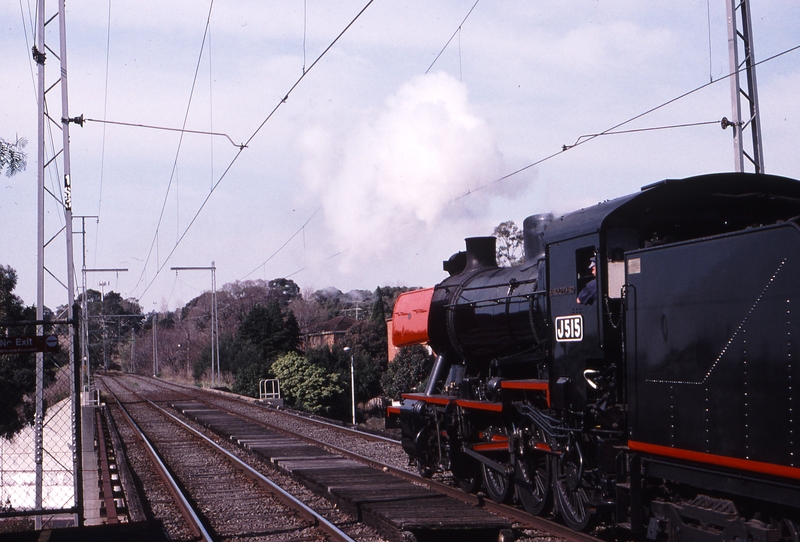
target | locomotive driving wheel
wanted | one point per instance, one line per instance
(532, 478)
(570, 496)
(498, 485)
(466, 472)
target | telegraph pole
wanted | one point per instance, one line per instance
(84, 308)
(740, 36)
(86, 366)
(214, 320)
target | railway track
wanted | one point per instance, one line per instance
(381, 452)
(378, 452)
(217, 496)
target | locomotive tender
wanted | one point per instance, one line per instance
(666, 404)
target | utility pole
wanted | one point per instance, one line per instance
(155, 345)
(85, 383)
(214, 320)
(86, 365)
(103, 285)
(740, 36)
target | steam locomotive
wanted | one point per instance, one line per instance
(641, 368)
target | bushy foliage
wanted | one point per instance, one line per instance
(306, 386)
(234, 356)
(17, 371)
(112, 320)
(408, 371)
(247, 379)
(269, 332)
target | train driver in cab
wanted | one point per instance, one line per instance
(589, 292)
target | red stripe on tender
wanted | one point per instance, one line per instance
(720, 460)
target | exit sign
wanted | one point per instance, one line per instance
(33, 343)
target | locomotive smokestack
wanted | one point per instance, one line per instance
(533, 236)
(481, 253)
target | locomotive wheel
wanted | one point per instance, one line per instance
(466, 473)
(424, 470)
(532, 478)
(569, 495)
(532, 483)
(792, 530)
(497, 485)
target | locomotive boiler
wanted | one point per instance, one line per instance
(641, 367)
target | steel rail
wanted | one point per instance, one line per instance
(233, 397)
(195, 524)
(287, 498)
(105, 470)
(515, 514)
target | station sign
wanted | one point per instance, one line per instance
(28, 344)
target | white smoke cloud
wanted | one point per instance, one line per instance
(396, 175)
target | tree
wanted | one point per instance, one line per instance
(306, 386)
(12, 158)
(235, 355)
(17, 371)
(247, 379)
(408, 371)
(111, 321)
(509, 244)
(284, 291)
(272, 334)
(378, 308)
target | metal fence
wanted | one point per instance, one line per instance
(40, 480)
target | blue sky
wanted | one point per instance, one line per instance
(373, 171)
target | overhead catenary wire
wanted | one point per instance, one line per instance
(458, 30)
(613, 130)
(302, 228)
(154, 243)
(105, 115)
(246, 143)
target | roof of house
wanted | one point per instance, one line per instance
(339, 324)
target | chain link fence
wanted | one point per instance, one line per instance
(39, 423)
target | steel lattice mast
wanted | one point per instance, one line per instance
(743, 96)
(56, 164)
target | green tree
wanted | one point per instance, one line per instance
(247, 379)
(306, 386)
(283, 291)
(111, 320)
(234, 356)
(269, 331)
(509, 244)
(12, 156)
(408, 371)
(17, 371)
(368, 342)
(378, 308)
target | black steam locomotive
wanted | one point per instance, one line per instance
(642, 367)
